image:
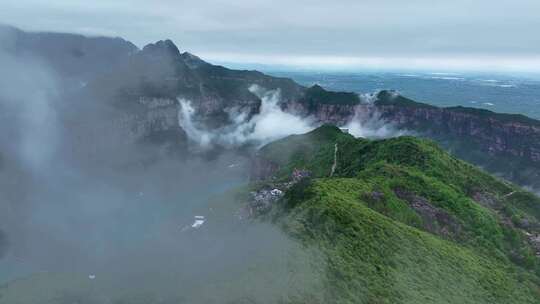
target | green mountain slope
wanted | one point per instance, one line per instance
(402, 221)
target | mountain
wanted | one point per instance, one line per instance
(134, 93)
(74, 57)
(401, 221)
(504, 144)
(501, 143)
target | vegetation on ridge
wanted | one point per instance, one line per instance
(402, 221)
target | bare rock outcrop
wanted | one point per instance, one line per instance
(435, 220)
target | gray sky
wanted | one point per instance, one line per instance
(457, 34)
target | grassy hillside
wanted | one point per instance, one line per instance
(401, 221)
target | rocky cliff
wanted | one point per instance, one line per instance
(502, 143)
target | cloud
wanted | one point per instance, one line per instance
(29, 139)
(430, 62)
(272, 123)
(76, 199)
(27, 97)
(373, 127)
(269, 124)
(368, 123)
(116, 212)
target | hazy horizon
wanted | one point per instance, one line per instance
(459, 36)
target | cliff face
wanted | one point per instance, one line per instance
(101, 139)
(324, 106)
(142, 87)
(336, 114)
(496, 137)
(504, 144)
(501, 143)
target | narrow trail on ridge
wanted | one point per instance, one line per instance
(335, 160)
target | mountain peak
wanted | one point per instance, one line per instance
(318, 95)
(393, 97)
(316, 87)
(192, 61)
(162, 47)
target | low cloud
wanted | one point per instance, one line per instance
(115, 217)
(272, 123)
(29, 119)
(269, 124)
(368, 123)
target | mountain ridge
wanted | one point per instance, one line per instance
(501, 143)
(464, 215)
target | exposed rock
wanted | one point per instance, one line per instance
(375, 196)
(262, 200)
(524, 223)
(528, 224)
(435, 220)
(486, 199)
(323, 113)
(496, 137)
(299, 174)
(534, 240)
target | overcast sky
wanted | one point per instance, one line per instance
(458, 34)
